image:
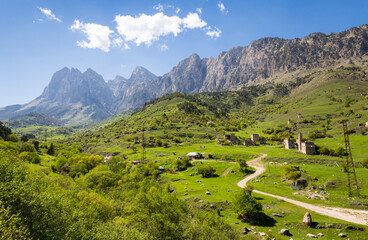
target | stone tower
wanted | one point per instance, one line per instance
(299, 141)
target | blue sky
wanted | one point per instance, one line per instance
(114, 36)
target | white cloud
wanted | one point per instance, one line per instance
(216, 33)
(192, 20)
(141, 29)
(98, 35)
(48, 13)
(199, 10)
(148, 28)
(164, 47)
(159, 7)
(222, 8)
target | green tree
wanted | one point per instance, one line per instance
(206, 171)
(291, 173)
(246, 206)
(4, 131)
(13, 138)
(51, 150)
(242, 164)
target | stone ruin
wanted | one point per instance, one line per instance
(252, 141)
(302, 146)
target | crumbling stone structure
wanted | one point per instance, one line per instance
(304, 147)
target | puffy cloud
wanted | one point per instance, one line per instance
(48, 13)
(98, 35)
(141, 29)
(192, 20)
(199, 10)
(222, 8)
(148, 28)
(215, 33)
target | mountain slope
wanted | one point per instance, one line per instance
(71, 96)
(32, 118)
(76, 97)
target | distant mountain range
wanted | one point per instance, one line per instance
(74, 97)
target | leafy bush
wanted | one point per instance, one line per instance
(315, 134)
(181, 164)
(4, 131)
(242, 164)
(292, 173)
(13, 138)
(30, 157)
(26, 147)
(206, 171)
(246, 206)
(365, 163)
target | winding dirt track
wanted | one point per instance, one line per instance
(346, 214)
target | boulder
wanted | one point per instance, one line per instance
(262, 234)
(208, 193)
(311, 235)
(285, 232)
(307, 219)
(342, 235)
(277, 215)
(320, 235)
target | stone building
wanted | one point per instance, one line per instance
(304, 147)
(290, 143)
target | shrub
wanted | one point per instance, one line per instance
(365, 163)
(246, 206)
(242, 164)
(4, 131)
(181, 164)
(315, 134)
(30, 157)
(26, 147)
(206, 171)
(13, 138)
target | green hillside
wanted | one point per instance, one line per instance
(105, 182)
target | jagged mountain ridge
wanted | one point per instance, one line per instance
(76, 97)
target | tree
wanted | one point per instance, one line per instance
(13, 138)
(206, 171)
(51, 150)
(4, 131)
(181, 164)
(246, 206)
(242, 164)
(24, 138)
(291, 173)
(36, 145)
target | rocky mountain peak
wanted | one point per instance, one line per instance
(141, 74)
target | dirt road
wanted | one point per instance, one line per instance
(349, 215)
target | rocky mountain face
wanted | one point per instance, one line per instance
(132, 92)
(73, 96)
